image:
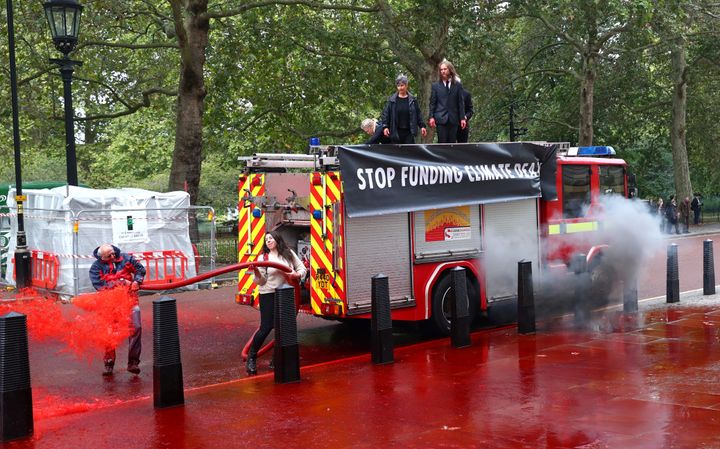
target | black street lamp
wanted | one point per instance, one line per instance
(22, 255)
(63, 16)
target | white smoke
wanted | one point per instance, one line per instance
(632, 235)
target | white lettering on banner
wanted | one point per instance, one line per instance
(414, 176)
(382, 177)
(461, 233)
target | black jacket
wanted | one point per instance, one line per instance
(378, 137)
(467, 99)
(389, 116)
(447, 107)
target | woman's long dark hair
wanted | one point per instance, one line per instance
(282, 247)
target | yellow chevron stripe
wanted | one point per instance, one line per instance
(331, 290)
(338, 289)
(331, 186)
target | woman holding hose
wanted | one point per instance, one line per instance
(269, 279)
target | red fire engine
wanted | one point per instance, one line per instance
(303, 197)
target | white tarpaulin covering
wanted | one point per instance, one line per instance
(135, 220)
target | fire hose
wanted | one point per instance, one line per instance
(228, 269)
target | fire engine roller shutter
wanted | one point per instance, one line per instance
(377, 245)
(511, 235)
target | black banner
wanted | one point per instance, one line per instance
(382, 179)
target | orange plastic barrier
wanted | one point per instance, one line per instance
(44, 269)
(162, 267)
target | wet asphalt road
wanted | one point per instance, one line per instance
(213, 331)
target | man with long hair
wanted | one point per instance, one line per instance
(447, 106)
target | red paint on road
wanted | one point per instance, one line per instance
(632, 381)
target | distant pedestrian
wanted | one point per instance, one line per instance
(401, 117)
(447, 107)
(114, 268)
(685, 215)
(696, 205)
(660, 211)
(671, 214)
(464, 133)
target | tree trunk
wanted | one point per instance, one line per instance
(587, 93)
(681, 170)
(187, 155)
(424, 76)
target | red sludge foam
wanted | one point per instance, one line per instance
(103, 320)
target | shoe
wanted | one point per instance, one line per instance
(251, 365)
(108, 371)
(133, 368)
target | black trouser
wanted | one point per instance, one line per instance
(405, 136)
(463, 134)
(267, 321)
(447, 133)
(696, 212)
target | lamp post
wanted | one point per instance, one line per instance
(22, 255)
(63, 16)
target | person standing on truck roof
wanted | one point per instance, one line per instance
(463, 134)
(113, 268)
(375, 130)
(401, 117)
(447, 107)
(269, 279)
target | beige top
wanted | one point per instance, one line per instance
(272, 278)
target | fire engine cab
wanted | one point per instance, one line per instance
(415, 212)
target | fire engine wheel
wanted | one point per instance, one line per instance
(441, 303)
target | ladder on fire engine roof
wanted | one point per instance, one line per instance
(290, 160)
(324, 157)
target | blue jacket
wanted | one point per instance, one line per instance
(105, 274)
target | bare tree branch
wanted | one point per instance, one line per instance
(308, 3)
(130, 108)
(351, 56)
(128, 45)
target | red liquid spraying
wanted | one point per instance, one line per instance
(102, 321)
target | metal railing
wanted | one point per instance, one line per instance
(72, 235)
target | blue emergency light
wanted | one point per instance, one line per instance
(597, 151)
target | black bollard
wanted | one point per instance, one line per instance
(167, 366)
(460, 310)
(708, 268)
(630, 296)
(381, 321)
(583, 289)
(15, 390)
(286, 355)
(526, 298)
(673, 277)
